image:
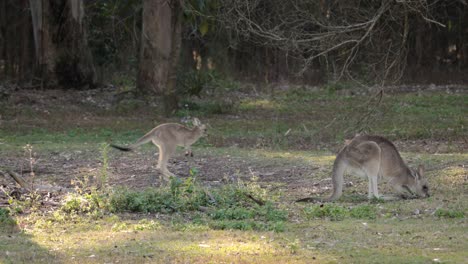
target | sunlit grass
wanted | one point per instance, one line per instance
(298, 156)
(454, 177)
(259, 104)
(164, 245)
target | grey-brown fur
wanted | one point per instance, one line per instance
(167, 137)
(376, 157)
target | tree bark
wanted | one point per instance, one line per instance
(160, 49)
(44, 47)
(62, 52)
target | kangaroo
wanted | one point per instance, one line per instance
(373, 157)
(167, 137)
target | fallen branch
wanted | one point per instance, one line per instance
(28, 187)
(257, 201)
(18, 179)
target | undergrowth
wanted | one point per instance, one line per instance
(232, 206)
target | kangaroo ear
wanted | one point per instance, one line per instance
(196, 122)
(421, 171)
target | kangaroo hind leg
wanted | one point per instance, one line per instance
(165, 152)
(367, 154)
(372, 171)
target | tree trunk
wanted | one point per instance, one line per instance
(160, 49)
(62, 52)
(45, 49)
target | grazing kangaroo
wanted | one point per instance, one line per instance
(374, 157)
(167, 137)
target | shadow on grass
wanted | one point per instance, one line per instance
(16, 246)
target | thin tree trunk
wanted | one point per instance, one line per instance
(155, 48)
(170, 94)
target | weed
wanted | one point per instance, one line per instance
(104, 175)
(330, 211)
(32, 161)
(117, 227)
(294, 246)
(74, 203)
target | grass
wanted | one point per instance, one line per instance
(191, 221)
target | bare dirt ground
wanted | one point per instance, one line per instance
(138, 170)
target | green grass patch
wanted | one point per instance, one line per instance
(446, 213)
(335, 212)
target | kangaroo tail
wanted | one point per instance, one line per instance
(339, 167)
(121, 148)
(143, 140)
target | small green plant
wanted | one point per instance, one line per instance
(446, 213)
(75, 203)
(32, 161)
(104, 174)
(176, 186)
(366, 211)
(117, 227)
(330, 211)
(5, 218)
(294, 246)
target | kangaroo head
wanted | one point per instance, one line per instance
(200, 126)
(417, 184)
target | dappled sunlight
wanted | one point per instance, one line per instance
(263, 103)
(315, 158)
(167, 245)
(453, 176)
